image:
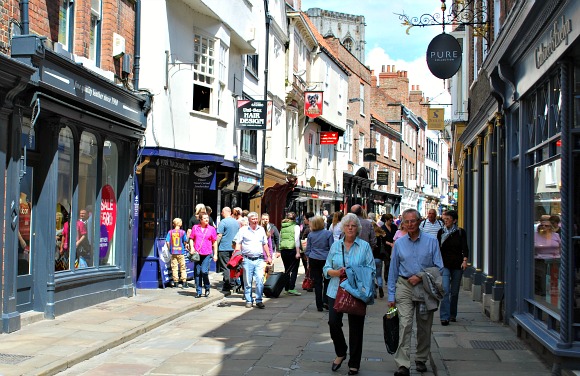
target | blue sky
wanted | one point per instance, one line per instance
(387, 41)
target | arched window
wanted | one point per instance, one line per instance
(347, 43)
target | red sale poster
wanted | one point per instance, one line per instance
(108, 210)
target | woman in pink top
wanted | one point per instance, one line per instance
(202, 240)
(546, 255)
(402, 231)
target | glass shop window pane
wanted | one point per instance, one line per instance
(109, 189)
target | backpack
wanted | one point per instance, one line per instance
(437, 220)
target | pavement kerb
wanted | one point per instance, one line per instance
(64, 363)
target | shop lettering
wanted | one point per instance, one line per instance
(557, 36)
(444, 55)
(107, 205)
(96, 93)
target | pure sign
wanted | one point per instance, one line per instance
(444, 56)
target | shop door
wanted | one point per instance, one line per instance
(26, 249)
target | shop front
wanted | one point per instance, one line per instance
(357, 189)
(520, 178)
(384, 203)
(76, 139)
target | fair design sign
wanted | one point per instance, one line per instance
(108, 218)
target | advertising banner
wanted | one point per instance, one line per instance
(382, 177)
(204, 176)
(444, 56)
(369, 154)
(254, 115)
(328, 138)
(436, 119)
(313, 104)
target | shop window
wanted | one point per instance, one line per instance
(87, 196)
(64, 196)
(108, 210)
(547, 242)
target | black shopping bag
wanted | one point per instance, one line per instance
(391, 330)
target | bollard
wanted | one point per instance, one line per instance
(467, 278)
(478, 279)
(486, 296)
(496, 298)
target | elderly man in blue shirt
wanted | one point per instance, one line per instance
(412, 254)
(253, 243)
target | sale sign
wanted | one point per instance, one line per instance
(108, 210)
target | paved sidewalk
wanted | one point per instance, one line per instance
(472, 346)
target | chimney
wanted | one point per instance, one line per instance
(383, 69)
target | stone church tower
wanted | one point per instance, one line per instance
(349, 29)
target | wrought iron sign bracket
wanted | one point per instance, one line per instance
(462, 13)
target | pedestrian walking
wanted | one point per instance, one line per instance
(454, 250)
(226, 231)
(354, 252)
(202, 240)
(253, 244)
(317, 247)
(290, 251)
(176, 241)
(412, 255)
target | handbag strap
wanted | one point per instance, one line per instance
(343, 262)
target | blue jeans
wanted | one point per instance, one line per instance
(253, 270)
(201, 273)
(451, 284)
(379, 266)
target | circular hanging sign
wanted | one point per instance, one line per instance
(444, 56)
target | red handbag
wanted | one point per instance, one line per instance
(307, 283)
(345, 302)
(235, 260)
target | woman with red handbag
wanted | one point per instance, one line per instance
(318, 245)
(349, 251)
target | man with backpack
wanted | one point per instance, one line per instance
(431, 225)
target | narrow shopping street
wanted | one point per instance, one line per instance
(169, 332)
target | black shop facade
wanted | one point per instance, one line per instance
(71, 143)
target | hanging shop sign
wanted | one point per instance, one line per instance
(328, 138)
(382, 177)
(436, 119)
(444, 56)
(369, 154)
(254, 115)
(204, 176)
(313, 104)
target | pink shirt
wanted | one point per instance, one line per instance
(546, 248)
(203, 239)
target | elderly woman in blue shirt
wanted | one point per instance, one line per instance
(348, 251)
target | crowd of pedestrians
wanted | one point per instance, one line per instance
(417, 263)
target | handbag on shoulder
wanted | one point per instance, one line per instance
(345, 302)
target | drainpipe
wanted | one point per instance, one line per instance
(24, 18)
(268, 18)
(136, 66)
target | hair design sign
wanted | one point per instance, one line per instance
(444, 56)
(254, 115)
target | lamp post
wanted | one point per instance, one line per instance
(267, 19)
